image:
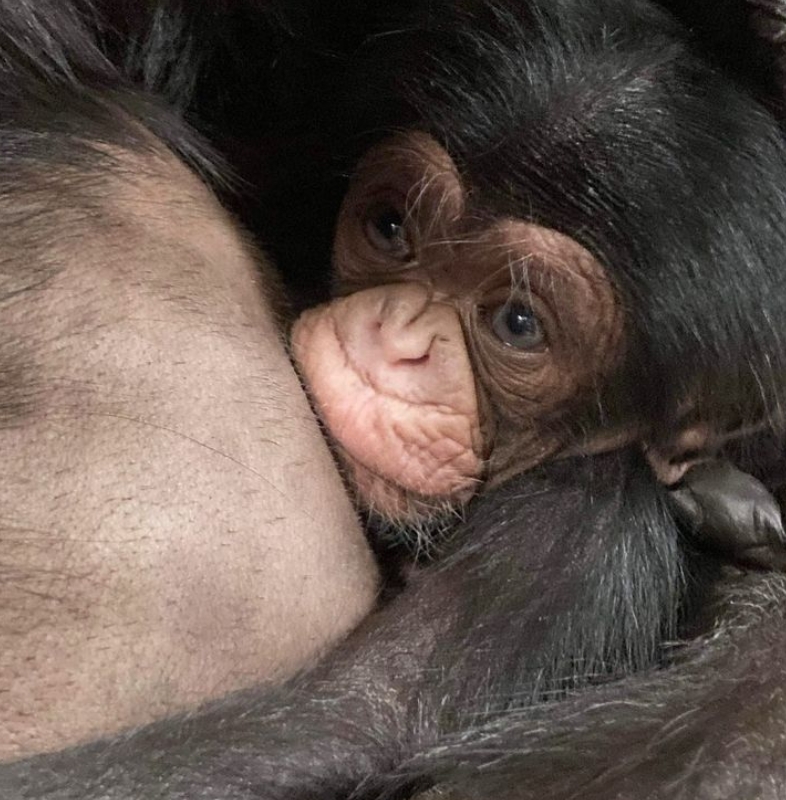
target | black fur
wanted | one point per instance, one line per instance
(490, 628)
(597, 119)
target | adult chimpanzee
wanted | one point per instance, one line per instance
(153, 552)
(563, 100)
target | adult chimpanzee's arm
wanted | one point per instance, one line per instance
(524, 603)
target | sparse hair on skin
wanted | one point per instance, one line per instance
(67, 112)
(576, 573)
(71, 127)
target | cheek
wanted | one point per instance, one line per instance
(391, 379)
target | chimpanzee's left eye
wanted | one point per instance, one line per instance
(386, 230)
(516, 325)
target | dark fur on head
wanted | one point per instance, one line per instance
(602, 120)
(605, 125)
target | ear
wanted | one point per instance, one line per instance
(747, 37)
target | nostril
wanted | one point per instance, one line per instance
(413, 362)
(402, 346)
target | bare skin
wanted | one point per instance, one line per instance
(391, 375)
(172, 525)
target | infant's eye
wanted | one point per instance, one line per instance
(516, 325)
(386, 231)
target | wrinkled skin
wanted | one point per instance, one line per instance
(391, 376)
(172, 525)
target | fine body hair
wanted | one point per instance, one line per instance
(71, 127)
(575, 573)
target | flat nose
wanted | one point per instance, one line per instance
(400, 332)
(402, 340)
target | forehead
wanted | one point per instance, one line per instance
(408, 161)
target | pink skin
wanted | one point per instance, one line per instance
(389, 373)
